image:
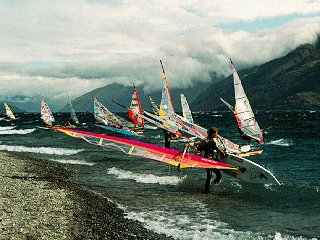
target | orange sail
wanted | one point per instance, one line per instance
(135, 109)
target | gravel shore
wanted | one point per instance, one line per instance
(37, 201)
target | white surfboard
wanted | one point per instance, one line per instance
(249, 171)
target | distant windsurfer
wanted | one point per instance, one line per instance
(208, 147)
(168, 137)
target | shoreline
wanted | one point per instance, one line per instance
(38, 201)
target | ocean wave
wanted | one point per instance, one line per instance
(17, 132)
(71, 161)
(41, 150)
(7, 128)
(281, 142)
(147, 126)
(183, 226)
(145, 178)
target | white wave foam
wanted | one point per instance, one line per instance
(17, 132)
(193, 226)
(7, 128)
(42, 150)
(156, 136)
(281, 142)
(70, 161)
(145, 178)
(147, 126)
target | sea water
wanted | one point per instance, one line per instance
(173, 203)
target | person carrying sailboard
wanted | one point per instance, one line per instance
(210, 147)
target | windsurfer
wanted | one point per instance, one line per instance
(168, 137)
(209, 147)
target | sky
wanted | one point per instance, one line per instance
(55, 48)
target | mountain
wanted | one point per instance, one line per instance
(289, 82)
(122, 94)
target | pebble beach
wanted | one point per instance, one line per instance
(38, 201)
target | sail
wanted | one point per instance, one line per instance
(247, 123)
(74, 118)
(135, 109)
(46, 114)
(104, 116)
(9, 113)
(146, 150)
(186, 113)
(166, 102)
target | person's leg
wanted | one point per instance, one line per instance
(218, 176)
(208, 180)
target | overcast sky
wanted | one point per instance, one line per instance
(74, 46)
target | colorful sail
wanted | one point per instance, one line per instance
(114, 122)
(46, 114)
(247, 124)
(146, 150)
(135, 109)
(74, 118)
(186, 113)
(104, 116)
(166, 102)
(9, 113)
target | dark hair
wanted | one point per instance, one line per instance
(212, 130)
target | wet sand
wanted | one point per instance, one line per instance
(38, 201)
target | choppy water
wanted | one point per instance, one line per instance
(172, 203)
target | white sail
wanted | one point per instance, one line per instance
(247, 123)
(46, 114)
(74, 117)
(9, 113)
(166, 102)
(186, 113)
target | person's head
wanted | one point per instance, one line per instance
(212, 132)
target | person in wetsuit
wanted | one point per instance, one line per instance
(208, 147)
(168, 137)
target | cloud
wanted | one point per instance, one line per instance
(75, 46)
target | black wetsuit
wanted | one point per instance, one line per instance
(208, 146)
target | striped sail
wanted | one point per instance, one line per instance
(46, 114)
(135, 109)
(247, 123)
(9, 113)
(186, 113)
(103, 115)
